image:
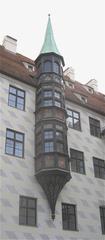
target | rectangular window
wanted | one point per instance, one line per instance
(77, 161)
(27, 211)
(69, 216)
(16, 98)
(49, 147)
(14, 143)
(99, 168)
(102, 216)
(73, 119)
(95, 127)
(59, 147)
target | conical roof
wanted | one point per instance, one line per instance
(49, 44)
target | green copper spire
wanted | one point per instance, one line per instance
(49, 45)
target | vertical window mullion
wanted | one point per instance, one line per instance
(16, 99)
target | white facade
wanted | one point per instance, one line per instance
(18, 175)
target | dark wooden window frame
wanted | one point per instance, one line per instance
(51, 99)
(95, 127)
(16, 97)
(14, 140)
(55, 139)
(102, 217)
(99, 167)
(77, 161)
(68, 216)
(73, 118)
(26, 208)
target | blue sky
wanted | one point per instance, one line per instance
(79, 30)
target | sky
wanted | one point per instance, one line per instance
(78, 26)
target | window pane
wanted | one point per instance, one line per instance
(49, 147)
(59, 135)
(59, 127)
(76, 124)
(23, 201)
(18, 145)
(31, 203)
(20, 93)
(10, 134)
(12, 100)
(70, 122)
(48, 93)
(58, 104)
(56, 67)
(19, 137)
(9, 150)
(48, 103)
(12, 90)
(22, 211)
(75, 115)
(22, 220)
(59, 147)
(47, 66)
(9, 146)
(69, 112)
(31, 221)
(20, 101)
(10, 143)
(19, 106)
(18, 153)
(31, 212)
(57, 95)
(73, 165)
(48, 134)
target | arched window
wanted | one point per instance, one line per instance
(47, 66)
(56, 67)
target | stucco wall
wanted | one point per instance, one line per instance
(17, 176)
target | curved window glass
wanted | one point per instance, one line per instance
(56, 67)
(47, 103)
(47, 66)
(48, 134)
(48, 93)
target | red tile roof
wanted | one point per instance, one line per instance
(95, 101)
(12, 65)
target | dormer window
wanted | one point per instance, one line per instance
(71, 85)
(29, 66)
(90, 90)
(84, 99)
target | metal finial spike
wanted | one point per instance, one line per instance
(49, 14)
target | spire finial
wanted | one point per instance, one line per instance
(49, 15)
